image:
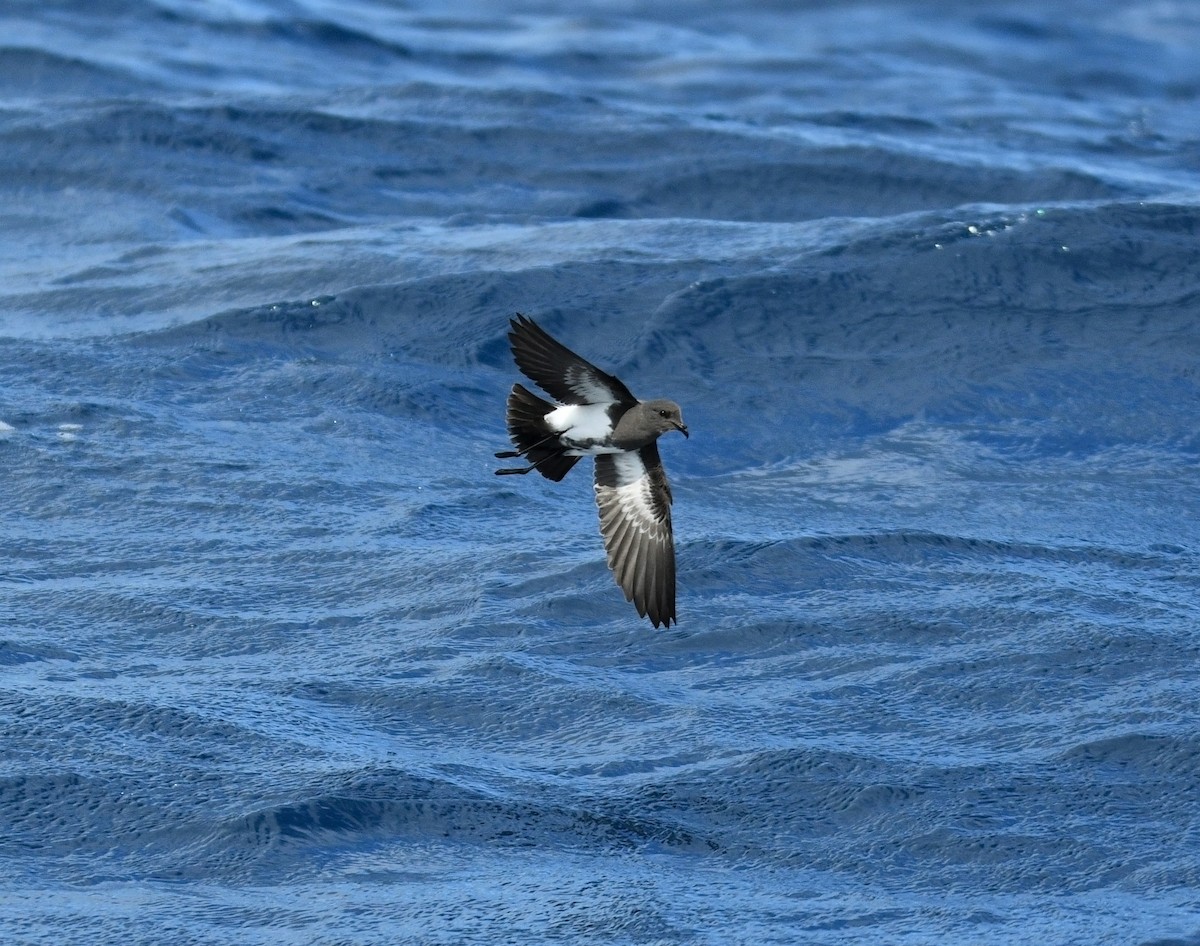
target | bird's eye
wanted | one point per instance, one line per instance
(664, 413)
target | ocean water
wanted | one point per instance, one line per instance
(283, 662)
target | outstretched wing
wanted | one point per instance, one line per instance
(635, 520)
(560, 372)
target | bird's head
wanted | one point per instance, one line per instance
(665, 415)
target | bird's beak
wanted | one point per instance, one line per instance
(682, 428)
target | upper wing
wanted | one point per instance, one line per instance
(560, 372)
(635, 520)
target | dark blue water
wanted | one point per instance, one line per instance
(282, 662)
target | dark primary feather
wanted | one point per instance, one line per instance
(558, 371)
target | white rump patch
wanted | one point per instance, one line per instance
(584, 425)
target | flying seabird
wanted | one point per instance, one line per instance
(597, 416)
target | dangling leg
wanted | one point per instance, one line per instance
(534, 465)
(509, 454)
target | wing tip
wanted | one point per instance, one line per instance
(518, 325)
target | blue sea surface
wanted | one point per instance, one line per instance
(283, 662)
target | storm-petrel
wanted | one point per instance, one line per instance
(598, 416)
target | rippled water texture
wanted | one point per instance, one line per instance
(281, 661)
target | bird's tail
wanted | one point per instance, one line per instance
(533, 438)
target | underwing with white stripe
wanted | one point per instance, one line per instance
(560, 372)
(635, 520)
